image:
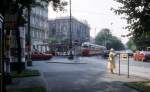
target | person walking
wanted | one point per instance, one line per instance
(111, 61)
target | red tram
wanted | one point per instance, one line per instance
(88, 49)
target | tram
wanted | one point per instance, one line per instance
(88, 49)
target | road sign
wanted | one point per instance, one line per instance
(76, 42)
(123, 56)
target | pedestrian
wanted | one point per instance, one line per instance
(111, 61)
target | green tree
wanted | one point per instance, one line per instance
(131, 44)
(137, 14)
(17, 7)
(105, 38)
(142, 42)
(7, 4)
(10, 7)
(115, 43)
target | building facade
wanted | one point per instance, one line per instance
(59, 29)
(39, 28)
(59, 33)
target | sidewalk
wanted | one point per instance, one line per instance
(27, 82)
(115, 83)
(134, 71)
(112, 81)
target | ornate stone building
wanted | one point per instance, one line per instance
(59, 33)
(39, 28)
(60, 30)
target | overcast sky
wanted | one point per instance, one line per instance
(98, 15)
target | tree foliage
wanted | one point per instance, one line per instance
(102, 37)
(17, 7)
(105, 38)
(137, 14)
(131, 44)
(56, 4)
(142, 42)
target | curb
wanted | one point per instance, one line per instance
(68, 62)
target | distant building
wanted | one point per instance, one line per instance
(60, 29)
(39, 28)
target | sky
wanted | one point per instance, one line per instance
(98, 15)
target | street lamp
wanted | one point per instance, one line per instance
(70, 45)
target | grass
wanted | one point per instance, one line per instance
(26, 73)
(142, 86)
(33, 89)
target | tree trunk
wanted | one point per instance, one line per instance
(17, 34)
(2, 84)
(29, 61)
(19, 50)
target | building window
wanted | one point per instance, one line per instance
(53, 31)
(33, 20)
(33, 33)
(37, 34)
(40, 34)
(33, 46)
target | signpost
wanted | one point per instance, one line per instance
(124, 57)
(76, 44)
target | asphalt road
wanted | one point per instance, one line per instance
(85, 74)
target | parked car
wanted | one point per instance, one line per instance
(142, 56)
(40, 56)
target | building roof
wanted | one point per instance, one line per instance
(68, 18)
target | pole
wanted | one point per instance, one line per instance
(128, 65)
(71, 54)
(95, 32)
(119, 63)
(105, 39)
